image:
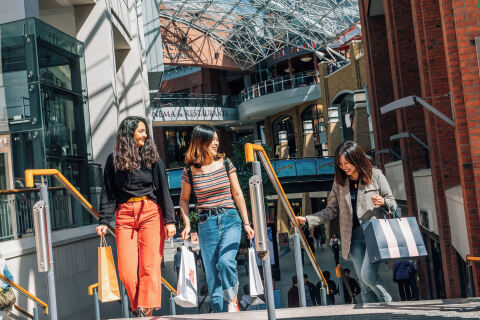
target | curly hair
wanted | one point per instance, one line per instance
(197, 153)
(128, 156)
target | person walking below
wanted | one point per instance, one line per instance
(352, 289)
(335, 245)
(213, 180)
(136, 191)
(177, 261)
(332, 289)
(359, 193)
(401, 275)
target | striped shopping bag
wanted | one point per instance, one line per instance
(393, 239)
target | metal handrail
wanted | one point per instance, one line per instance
(25, 293)
(24, 312)
(30, 173)
(15, 191)
(250, 150)
(471, 284)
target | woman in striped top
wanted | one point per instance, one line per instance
(214, 183)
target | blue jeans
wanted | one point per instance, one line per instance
(367, 273)
(219, 240)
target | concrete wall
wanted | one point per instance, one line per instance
(425, 197)
(115, 60)
(456, 218)
(75, 263)
(394, 174)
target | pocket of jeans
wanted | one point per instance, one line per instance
(231, 212)
(202, 218)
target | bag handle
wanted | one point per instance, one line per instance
(394, 213)
(103, 241)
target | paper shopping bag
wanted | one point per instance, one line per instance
(393, 239)
(187, 280)
(107, 276)
(256, 285)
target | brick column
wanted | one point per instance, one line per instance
(360, 118)
(380, 88)
(444, 164)
(460, 25)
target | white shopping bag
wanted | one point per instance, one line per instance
(187, 280)
(256, 286)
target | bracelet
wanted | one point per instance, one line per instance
(246, 224)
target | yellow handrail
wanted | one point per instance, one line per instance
(471, 258)
(25, 292)
(29, 183)
(91, 287)
(23, 311)
(250, 150)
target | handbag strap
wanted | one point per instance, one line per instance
(190, 178)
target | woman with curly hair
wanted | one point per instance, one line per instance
(136, 190)
(213, 180)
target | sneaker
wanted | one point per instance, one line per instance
(233, 307)
(141, 312)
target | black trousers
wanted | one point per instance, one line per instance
(404, 289)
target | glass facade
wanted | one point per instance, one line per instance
(43, 102)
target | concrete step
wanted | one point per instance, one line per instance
(414, 310)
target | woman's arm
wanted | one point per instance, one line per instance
(386, 192)
(108, 197)
(329, 213)
(184, 207)
(240, 201)
(166, 200)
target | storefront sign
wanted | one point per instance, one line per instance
(194, 114)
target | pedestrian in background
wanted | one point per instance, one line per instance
(332, 288)
(213, 180)
(136, 190)
(351, 286)
(401, 275)
(359, 193)
(335, 245)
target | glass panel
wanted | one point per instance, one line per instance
(61, 137)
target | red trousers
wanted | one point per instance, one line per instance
(140, 239)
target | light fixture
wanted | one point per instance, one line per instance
(306, 58)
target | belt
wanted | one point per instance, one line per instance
(137, 199)
(211, 212)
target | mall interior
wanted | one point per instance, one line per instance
(401, 78)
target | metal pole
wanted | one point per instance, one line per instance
(267, 268)
(471, 288)
(35, 313)
(52, 299)
(298, 263)
(172, 305)
(97, 304)
(123, 291)
(323, 294)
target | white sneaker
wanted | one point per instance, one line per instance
(233, 307)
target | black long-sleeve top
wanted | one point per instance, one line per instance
(119, 186)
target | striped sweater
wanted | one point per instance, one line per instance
(212, 189)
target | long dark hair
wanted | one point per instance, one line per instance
(128, 156)
(197, 153)
(354, 154)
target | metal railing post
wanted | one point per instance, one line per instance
(261, 234)
(173, 311)
(35, 313)
(341, 289)
(97, 304)
(471, 287)
(298, 263)
(52, 299)
(123, 291)
(323, 295)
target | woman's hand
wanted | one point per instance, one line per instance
(186, 232)
(301, 220)
(170, 230)
(249, 230)
(101, 229)
(378, 200)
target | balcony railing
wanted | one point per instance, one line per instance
(292, 167)
(278, 84)
(196, 100)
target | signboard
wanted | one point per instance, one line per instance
(193, 114)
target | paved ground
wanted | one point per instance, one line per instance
(417, 310)
(287, 267)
